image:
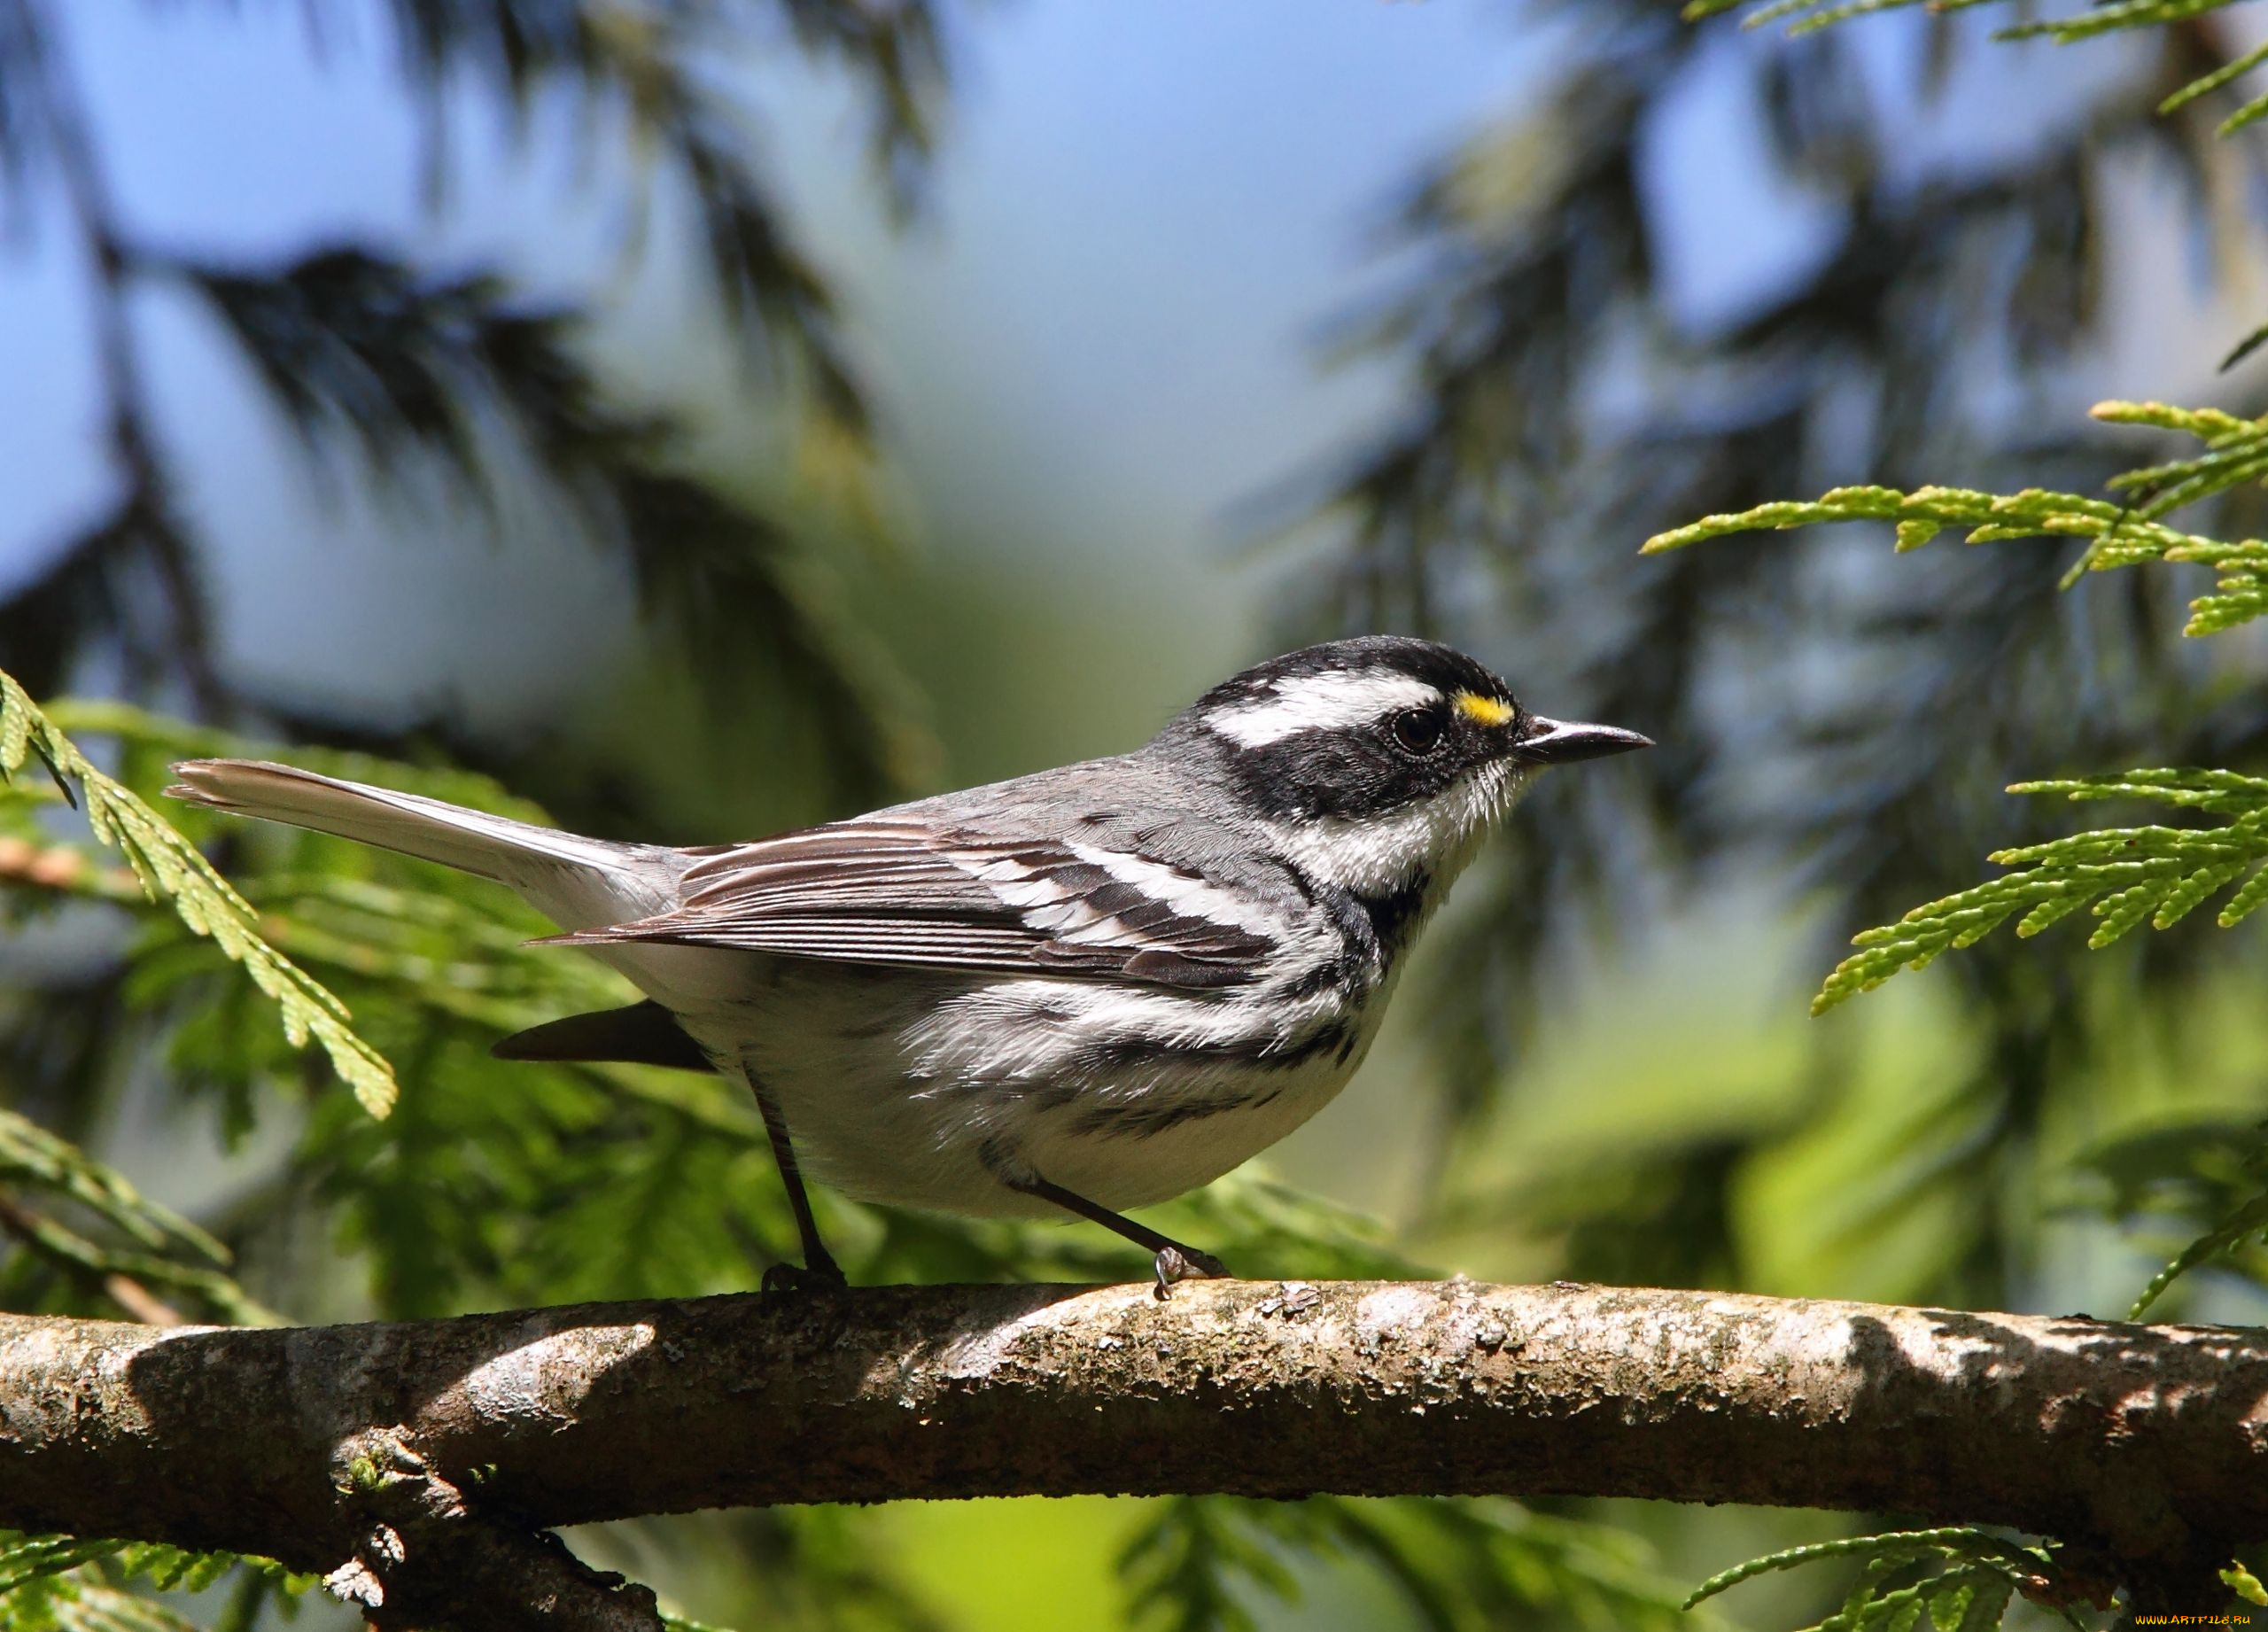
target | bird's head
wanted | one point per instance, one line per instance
(1371, 759)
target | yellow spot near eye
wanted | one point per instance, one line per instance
(1485, 710)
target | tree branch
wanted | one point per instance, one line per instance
(405, 1460)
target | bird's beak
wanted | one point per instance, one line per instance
(1551, 741)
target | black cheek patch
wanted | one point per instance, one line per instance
(1339, 774)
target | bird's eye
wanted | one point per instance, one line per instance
(1419, 729)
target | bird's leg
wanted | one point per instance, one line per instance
(818, 1268)
(1174, 1260)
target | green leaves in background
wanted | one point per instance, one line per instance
(1455, 1566)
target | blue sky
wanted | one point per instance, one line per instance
(1097, 343)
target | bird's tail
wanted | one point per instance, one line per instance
(566, 875)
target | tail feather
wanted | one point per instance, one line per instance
(567, 876)
(642, 1034)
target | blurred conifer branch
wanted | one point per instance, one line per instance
(164, 1250)
(1455, 1566)
(1805, 17)
(421, 372)
(169, 867)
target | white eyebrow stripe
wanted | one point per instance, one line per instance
(1329, 702)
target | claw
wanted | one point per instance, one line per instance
(785, 1277)
(1180, 1263)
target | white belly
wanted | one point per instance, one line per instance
(934, 1090)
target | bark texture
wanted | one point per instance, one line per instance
(414, 1463)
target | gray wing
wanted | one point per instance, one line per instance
(913, 892)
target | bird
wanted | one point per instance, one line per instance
(1073, 993)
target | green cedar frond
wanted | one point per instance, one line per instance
(2234, 68)
(70, 1584)
(2251, 113)
(29, 1557)
(2248, 1220)
(2129, 875)
(1970, 1578)
(2245, 1584)
(2108, 18)
(685, 1623)
(2244, 348)
(1963, 1539)
(2207, 1174)
(93, 1607)
(168, 866)
(1812, 22)
(2121, 534)
(74, 1585)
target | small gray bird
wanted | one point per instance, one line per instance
(1081, 990)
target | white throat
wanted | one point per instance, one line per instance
(1374, 855)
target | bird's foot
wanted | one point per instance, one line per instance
(1180, 1263)
(824, 1275)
